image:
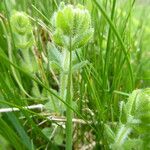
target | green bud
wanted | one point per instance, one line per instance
(22, 30)
(72, 22)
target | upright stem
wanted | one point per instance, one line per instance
(66, 92)
(69, 113)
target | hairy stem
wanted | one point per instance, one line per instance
(69, 112)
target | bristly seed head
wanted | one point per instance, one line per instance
(72, 22)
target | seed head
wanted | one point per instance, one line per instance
(72, 22)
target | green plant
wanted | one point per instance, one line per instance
(94, 93)
(135, 119)
(72, 31)
(22, 30)
(23, 38)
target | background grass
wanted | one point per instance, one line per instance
(118, 62)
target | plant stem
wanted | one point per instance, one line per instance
(66, 92)
(69, 112)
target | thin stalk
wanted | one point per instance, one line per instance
(69, 112)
